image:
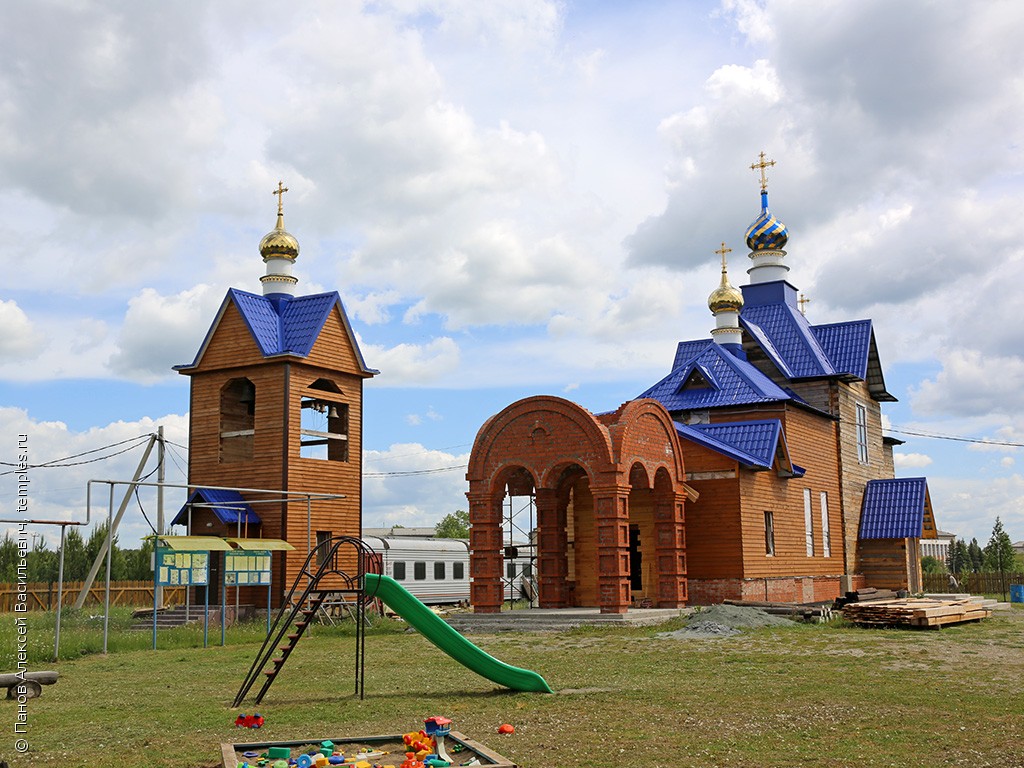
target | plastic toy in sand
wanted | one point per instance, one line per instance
(438, 727)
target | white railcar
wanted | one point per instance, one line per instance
(436, 571)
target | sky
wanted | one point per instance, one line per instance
(512, 197)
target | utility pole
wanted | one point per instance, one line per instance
(112, 527)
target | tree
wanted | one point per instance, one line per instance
(977, 556)
(931, 564)
(998, 554)
(453, 526)
(959, 560)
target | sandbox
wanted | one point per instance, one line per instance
(462, 749)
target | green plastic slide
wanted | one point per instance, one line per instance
(437, 631)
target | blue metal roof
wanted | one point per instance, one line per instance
(786, 337)
(758, 439)
(231, 509)
(752, 443)
(847, 345)
(894, 508)
(731, 381)
(687, 350)
(283, 325)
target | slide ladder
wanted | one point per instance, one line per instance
(305, 598)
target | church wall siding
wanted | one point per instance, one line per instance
(855, 475)
(811, 441)
(276, 463)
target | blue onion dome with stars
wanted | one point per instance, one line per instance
(767, 233)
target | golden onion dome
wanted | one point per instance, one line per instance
(278, 243)
(725, 297)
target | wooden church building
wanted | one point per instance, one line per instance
(276, 403)
(755, 469)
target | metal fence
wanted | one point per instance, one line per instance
(973, 583)
(42, 596)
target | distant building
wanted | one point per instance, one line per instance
(939, 547)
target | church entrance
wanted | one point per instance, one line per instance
(636, 559)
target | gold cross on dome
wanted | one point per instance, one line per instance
(281, 189)
(722, 251)
(761, 166)
(802, 301)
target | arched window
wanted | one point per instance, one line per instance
(237, 420)
(323, 423)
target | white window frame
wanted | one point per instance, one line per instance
(862, 433)
(826, 544)
(808, 522)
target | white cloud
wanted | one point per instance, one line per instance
(911, 460)
(161, 331)
(20, 339)
(59, 493)
(412, 499)
(409, 364)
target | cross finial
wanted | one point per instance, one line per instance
(761, 166)
(802, 301)
(722, 251)
(281, 189)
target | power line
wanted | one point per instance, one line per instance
(415, 472)
(956, 438)
(61, 463)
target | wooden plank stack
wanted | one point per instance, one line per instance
(915, 612)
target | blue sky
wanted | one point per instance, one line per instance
(513, 198)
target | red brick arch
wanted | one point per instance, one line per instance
(541, 437)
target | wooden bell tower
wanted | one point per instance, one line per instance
(276, 403)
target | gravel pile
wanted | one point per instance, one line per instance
(725, 621)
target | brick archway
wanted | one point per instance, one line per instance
(584, 463)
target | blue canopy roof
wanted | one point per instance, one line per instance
(753, 443)
(229, 507)
(894, 508)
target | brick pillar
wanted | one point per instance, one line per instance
(611, 524)
(552, 563)
(485, 556)
(670, 548)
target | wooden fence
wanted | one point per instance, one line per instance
(42, 596)
(974, 583)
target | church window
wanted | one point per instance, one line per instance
(323, 546)
(324, 424)
(826, 544)
(862, 434)
(808, 522)
(237, 420)
(769, 534)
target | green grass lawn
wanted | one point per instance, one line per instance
(829, 695)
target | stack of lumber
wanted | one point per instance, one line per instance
(812, 612)
(864, 594)
(915, 612)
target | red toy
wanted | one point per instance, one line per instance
(506, 729)
(249, 721)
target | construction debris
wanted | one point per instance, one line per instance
(915, 612)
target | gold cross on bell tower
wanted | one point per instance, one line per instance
(722, 251)
(802, 301)
(281, 189)
(761, 166)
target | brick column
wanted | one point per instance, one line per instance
(485, 556)
(670, 548)
(611, 523)
(552, 562)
